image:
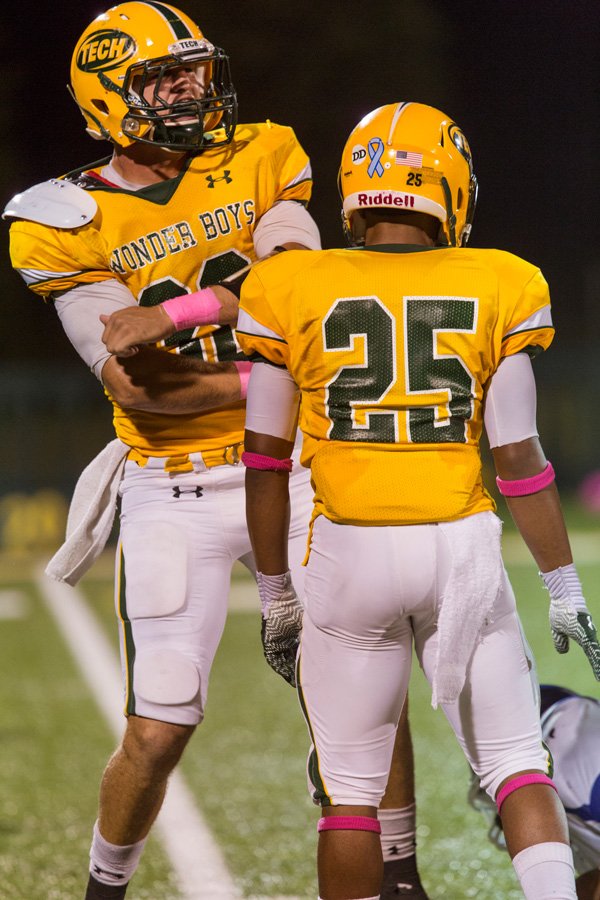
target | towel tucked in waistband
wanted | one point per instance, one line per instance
(91, 514)
(469, 596)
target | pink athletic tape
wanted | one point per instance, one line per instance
(189, 310)
(349, 823)
(258, 461)
(244, 369)
(523, 486)
(521, 781)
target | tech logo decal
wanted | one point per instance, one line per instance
(105, 50)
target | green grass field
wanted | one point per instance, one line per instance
(245, 766)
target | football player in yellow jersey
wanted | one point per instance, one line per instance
(398, 352)
(187, 198)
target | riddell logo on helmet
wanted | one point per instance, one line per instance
(105, 50)
(384, 199)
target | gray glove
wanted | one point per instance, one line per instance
(569, 616)
(281, 623)
(565, 623)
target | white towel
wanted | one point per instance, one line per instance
(473, 585)
(91, 514)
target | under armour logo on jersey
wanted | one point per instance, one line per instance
(178, 491)
(226, 177)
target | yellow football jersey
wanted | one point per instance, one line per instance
(393, 348)
(166, 240)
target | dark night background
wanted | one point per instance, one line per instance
(521, 78)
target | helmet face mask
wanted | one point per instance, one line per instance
(122, 78)
(408, 157)
(180, 124)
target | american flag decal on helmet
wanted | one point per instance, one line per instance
(406, 158)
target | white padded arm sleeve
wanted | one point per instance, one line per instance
(272, 402)
(286, 222)
(79, 312)
(510, 405)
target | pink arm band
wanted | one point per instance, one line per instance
(268, 463)
(190, 310)
(244, 369)
(523, 486)
(522, 781)
(349, 823)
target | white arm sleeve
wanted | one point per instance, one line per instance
(79, 312)
(272, 402)
(286, 222)
(510, 405)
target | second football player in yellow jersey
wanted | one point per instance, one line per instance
(398, 352)
(393, 381)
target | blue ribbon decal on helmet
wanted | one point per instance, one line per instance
(375, 148)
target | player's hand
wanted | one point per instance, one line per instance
(126, 328)
(281, 623)
(568, 623)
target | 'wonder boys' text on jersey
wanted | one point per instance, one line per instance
(392, 348)
(169, 239)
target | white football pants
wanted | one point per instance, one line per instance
(180, 536)
(369, 593)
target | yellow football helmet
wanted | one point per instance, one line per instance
(409, 156)
(124, 61)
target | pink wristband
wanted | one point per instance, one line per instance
(244, 369)
(190, 310)
(521, 781)
(523, 486)
(349, 823)
(268, 463)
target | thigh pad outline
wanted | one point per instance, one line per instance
(155, 558)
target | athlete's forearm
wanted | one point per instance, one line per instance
(538, 516)
(170, 384)
(268, 505)
(126, 329)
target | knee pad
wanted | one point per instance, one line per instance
(349, 823)
(521, 781)
(165, 677)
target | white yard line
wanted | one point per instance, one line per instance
(194, 856)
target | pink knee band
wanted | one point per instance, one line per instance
(269, 463)
(521, 781)
(349, 823)
(189, 310)
(523, 486)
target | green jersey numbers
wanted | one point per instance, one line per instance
(220, 344)
(354, 393)
(428, 371)
(366, 384)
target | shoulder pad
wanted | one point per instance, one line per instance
(55, 202)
